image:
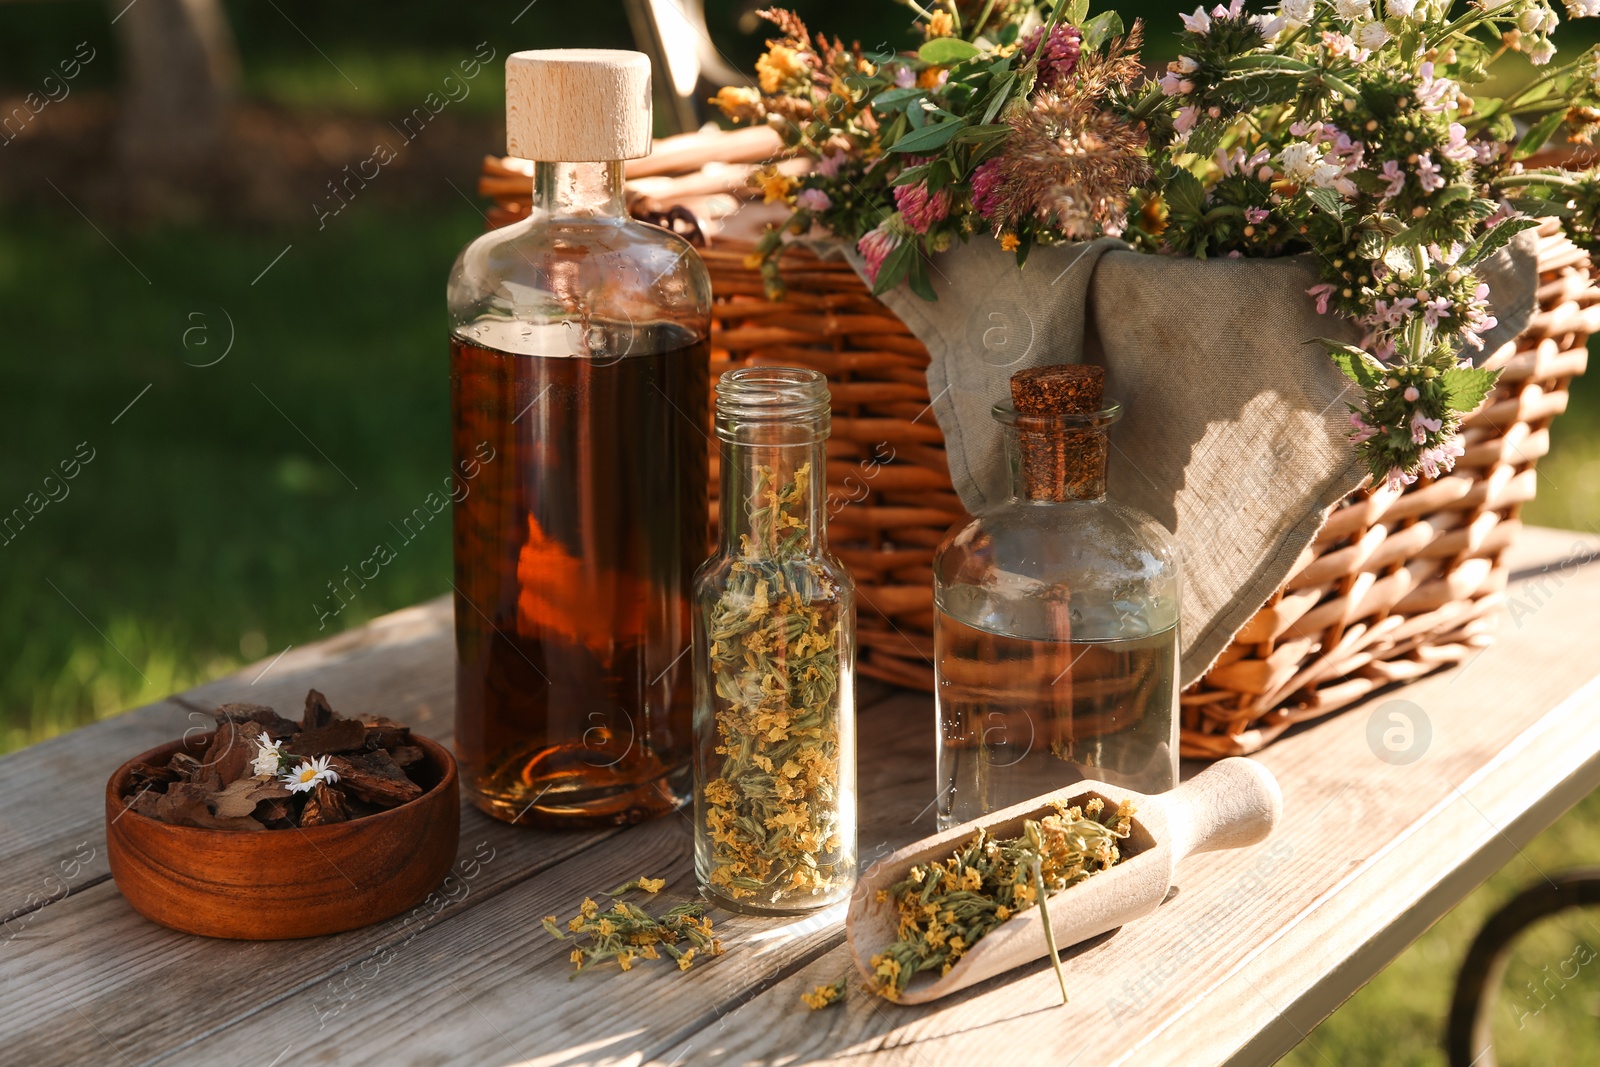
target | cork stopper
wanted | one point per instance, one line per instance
(1065, 389)
(1060, 461)
(578, 105)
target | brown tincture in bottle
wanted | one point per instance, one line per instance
(580, 387)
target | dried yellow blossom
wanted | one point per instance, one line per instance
(1009, 241)
(739, 102)
(627, 933)
(823, 995)
(780, 66)
(940, 24)
(946, 907)
(930, 78)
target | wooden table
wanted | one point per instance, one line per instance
(1256, 947)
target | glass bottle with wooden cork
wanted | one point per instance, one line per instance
(1056, 618)
(775, 756)
(579, 373)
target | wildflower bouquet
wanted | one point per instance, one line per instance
(1346, 128)
(1007, 120)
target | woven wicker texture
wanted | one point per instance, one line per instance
(1398, 583)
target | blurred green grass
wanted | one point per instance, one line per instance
(208, 525)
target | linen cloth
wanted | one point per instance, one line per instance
(1235, 435)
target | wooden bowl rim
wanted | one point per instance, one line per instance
(441, 755)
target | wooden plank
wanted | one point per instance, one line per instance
(1366, 846)
(90, 976)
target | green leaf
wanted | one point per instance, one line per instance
(1355, 363)
(944, 51)
(1076, 11)
(998, 97)
(1326, 199)
(891, 100)
(918, 276)
(1496, 239)
(1185, 195)
(1538, 134)
(1262, 62)
(1465, 387)
(894, 268)
(981, 134)
(1100, 29)
(929, 137)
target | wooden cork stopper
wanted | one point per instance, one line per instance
(578, 105)
(1060, 464)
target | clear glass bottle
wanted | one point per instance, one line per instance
(1055, 625)
(775, 731)
(579, 369)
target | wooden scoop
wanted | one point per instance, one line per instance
(1234, 802)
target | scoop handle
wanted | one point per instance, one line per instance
(1233, 803)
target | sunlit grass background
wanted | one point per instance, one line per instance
(204, 533)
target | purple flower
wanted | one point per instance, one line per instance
(828, 166)
(1185, 119)
(1199, 22)
(1436, 309)
(1322, 293)
(1398, 479)
(875, 246)
(1255, 216)
(1421, 426)
(920, 208)
(1441, 457)
(1059, 57)
(1174, 84)
(986, 181)
(1457, 148)
(814, 200)
(1428, 173)
(1362, 430)
(904, 76)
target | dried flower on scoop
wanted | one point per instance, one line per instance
(262, 771)
(948, 906)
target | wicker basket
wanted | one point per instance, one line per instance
(1397, 584)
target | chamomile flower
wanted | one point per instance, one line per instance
(305, 777)
(269, 757)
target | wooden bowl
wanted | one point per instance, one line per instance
(276, 884)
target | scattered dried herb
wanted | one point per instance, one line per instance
(948, 906)
(262, 771)
(773, 800)
(823, 995)
(627, 932)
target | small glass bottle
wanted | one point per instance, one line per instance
(775, 731)
(1056, 618)
(580, 383)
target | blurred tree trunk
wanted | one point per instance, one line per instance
(180, 70)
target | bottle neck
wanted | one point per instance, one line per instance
(773, 494)
(579, 190)
(1057, 465)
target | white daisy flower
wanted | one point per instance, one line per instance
(269, 757)
(1371, 35)
(1351, 10)
(306, 776)
(1298, 10)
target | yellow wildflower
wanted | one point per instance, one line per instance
(576, 956)
(931, 78)
(775, 188)
(686, 960)
(652, 885)
(1009, 241)
(625, 961)
(778, 67)
(738, 102)
(588, 908)
(940, 24)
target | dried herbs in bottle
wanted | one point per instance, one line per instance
(775, 794)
